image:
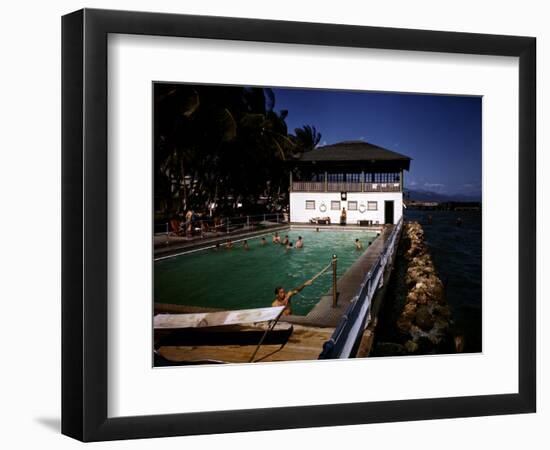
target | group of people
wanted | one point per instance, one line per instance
(286, 241)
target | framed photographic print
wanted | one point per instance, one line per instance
(267, 224)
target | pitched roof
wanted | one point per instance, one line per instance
(354, 151)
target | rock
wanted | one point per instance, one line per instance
(425, 316)
(420, 285)
(409, 311)
(436, 289)
(441, 324)
(404, 324)
(443, 311)
(424, 319)
(412, 297)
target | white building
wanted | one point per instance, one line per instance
(363, 178)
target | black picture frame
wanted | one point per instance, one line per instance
(84, 224)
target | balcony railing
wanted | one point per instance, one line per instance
(344, 186)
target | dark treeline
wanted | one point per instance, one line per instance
(222, 146)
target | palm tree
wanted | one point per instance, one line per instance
(221, 145)
(307, 137)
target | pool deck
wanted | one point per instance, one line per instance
(305, 343)
(183, 245)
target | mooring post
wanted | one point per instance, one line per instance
(334, 290)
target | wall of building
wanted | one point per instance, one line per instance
(299, 213)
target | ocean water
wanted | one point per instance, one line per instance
(456, 251)
(239, 279)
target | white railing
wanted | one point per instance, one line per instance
(356, 318)
(344, 186)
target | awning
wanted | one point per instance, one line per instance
(213, 319)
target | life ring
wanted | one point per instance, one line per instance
(362, 208)
(322, 208)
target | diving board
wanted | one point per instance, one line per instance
(218, 318)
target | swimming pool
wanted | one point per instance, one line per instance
(238, 279)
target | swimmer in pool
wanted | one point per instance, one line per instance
(263, 242)
(229, 245)
(288, 246)
(276, 238)
(285, 240)
(299, 242)
(282, 298)
(358, 245)
(245, 245)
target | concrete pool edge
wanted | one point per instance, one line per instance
(170, 252)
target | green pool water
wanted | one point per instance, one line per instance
(239, 279)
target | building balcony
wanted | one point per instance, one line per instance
(343, 186)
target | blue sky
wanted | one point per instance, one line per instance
(441, 133)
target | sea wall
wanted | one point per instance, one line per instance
(425, 317)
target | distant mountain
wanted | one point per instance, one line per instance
(429, 196)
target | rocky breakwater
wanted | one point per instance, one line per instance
(425, 318)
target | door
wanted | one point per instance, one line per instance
(388, 211)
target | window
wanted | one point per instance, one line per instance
(352, 206)
(335, 204)
(310, 204)
(372, 206)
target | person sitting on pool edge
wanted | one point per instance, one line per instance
(276, 238)
(282, 298)
(299, 242)
(358, 245)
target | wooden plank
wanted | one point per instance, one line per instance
(305, 343)
(212, 319)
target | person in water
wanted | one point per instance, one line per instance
(288, 246)
(282, 298)
(299, 242)
(229, 244)
(358, 244)
(217, 247)
(317, 229)
(263, 242)
(276, 238)
(245, 245)
(285, 240)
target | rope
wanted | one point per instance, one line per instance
(321, 272)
